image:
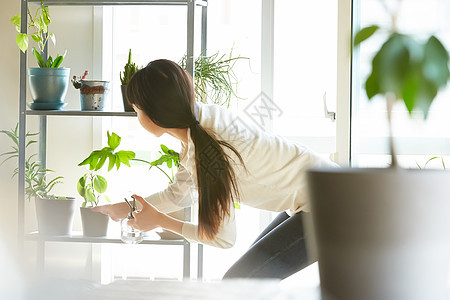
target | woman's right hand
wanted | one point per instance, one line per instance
(116, 212)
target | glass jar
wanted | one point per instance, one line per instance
(128, 234)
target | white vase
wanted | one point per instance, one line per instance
(381, 233)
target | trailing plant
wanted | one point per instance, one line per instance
(35, 175)
(129, 70)
(405, 69)
(38, 24)
(215, 81)
(92, 186)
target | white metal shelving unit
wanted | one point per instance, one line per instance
(43, 114)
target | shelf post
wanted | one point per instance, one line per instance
(22, 133)
(190, 37)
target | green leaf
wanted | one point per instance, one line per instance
(165, 149)
(390, 66)
(435, 64)
(46, 15)
(364, 34)
(52, 37)
(107, 198)
(49, 62)
(113, 140)
(124, 157)
(112, 161)
(39, 58)
(81, 184)
(57, 62)
(22, 41)
(16, 22)
(100, 184)
(90, 196)
(103, 155)
(36, 38)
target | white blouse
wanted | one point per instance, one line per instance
(273, 179)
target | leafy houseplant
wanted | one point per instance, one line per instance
(48, 83)
(215, 80)
(167, 156)
(54, 213)
(129, 70)
(379, 230)
(92, 186)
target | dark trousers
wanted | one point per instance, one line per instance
(278, 252)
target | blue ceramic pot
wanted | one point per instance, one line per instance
(48, 85)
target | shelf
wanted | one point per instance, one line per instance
(77, 237)
(118, 2)
(80, 113)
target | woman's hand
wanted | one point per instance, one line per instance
(148, 218)
(116, 211)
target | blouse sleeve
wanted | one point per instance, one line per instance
(225, 237)
(180, 194)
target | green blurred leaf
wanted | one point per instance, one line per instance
(364, 34)
(81, 184)
(435, 63)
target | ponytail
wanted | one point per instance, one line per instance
(216, 180)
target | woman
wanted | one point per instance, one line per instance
(225, 162)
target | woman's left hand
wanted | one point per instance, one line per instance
(148, 218)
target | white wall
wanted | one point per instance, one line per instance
(9, 86)
(69, 139)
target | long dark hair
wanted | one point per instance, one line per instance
(165, 92)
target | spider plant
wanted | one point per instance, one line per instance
(35, 175)
(215, 80)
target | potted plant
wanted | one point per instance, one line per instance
(48, 83)
(385, 233)
(94, 94)
(92, 186)
(215, 81)
(129, 70)
(54, 213)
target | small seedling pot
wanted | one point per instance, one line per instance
(94, 94)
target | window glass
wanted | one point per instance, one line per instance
(416, 139)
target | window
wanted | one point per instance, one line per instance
(416, 140)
